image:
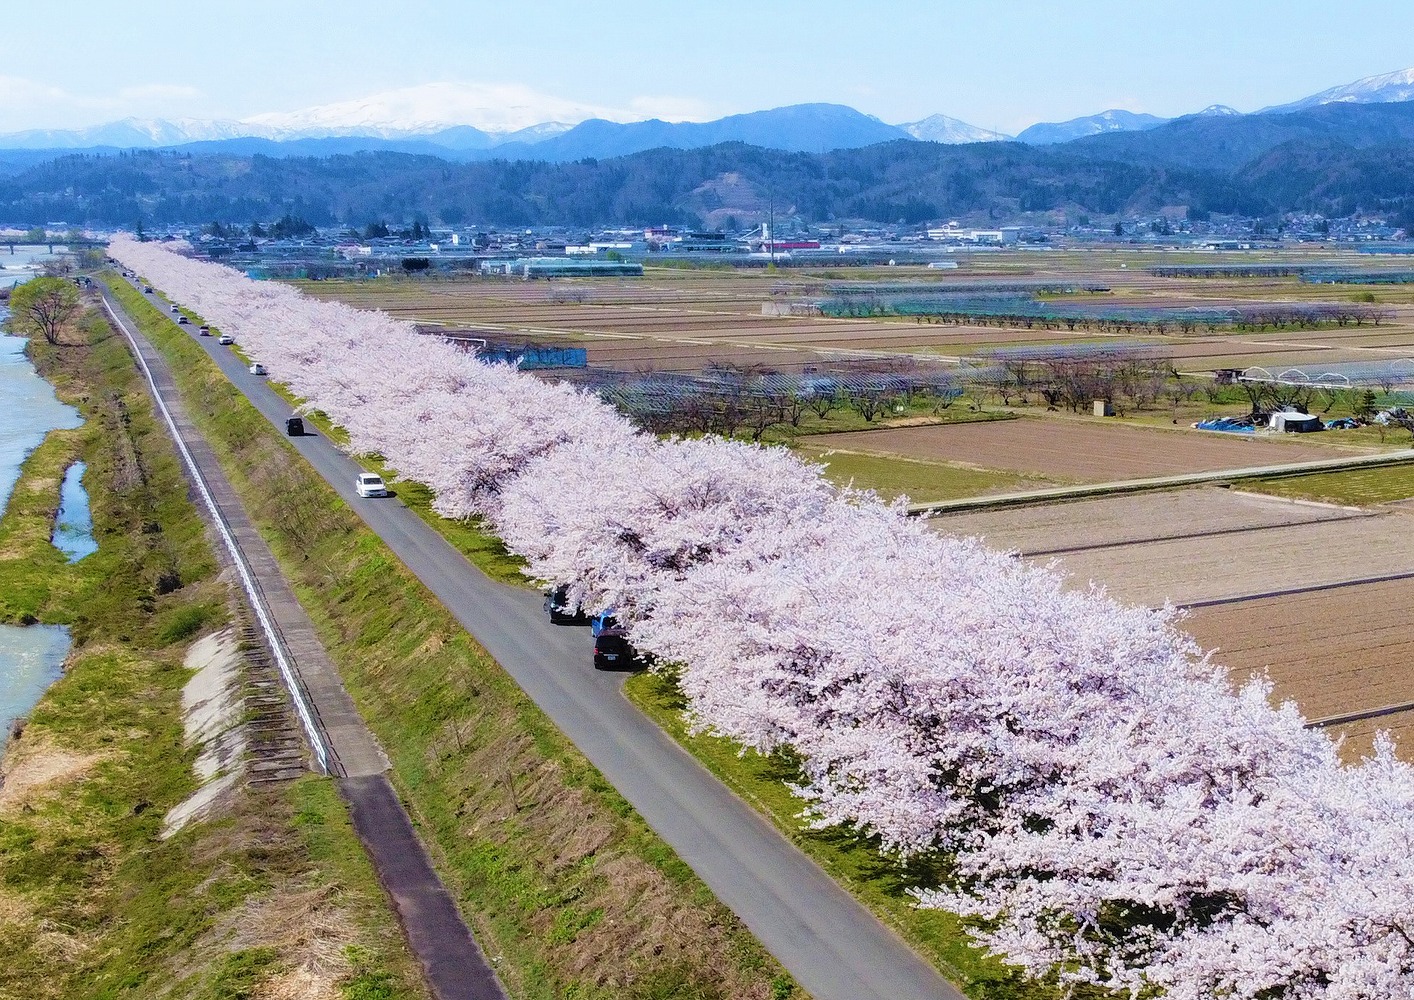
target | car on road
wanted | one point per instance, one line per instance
(147, 289)
(257, 368)
(369, 484)
(175, 309)
(182, 321)
(204, 330)
(226, 339)
(611, 646)
(560, 610)
(294, 427)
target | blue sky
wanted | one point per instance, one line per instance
(1001, 65)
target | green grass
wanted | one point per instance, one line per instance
(1355, 488)
(93, 902)
(921, 482)
(561, 880)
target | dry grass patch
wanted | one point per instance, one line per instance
(35, 767)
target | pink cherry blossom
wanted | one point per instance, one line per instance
(1108, 806)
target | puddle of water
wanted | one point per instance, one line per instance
(73, 528)
(31, 659)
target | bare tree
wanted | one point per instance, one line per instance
(44, 306)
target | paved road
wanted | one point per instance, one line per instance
(453, 965)
(831, 944)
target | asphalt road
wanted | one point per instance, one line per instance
(830, 943)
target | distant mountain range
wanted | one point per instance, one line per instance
(816, 163)
(1114, 120)
(1335, 160)
(432, 119)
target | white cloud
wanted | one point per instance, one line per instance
(31, 101)
(157, 91)
(494, 107)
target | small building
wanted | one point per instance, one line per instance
(1295, 423)
(561, 267)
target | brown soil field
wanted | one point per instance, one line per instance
(1077, 449)
(1333, 651)
(1255, 560)
(1189, 546)
(718, 315)
(1111, 522)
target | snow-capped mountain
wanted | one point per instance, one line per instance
(470, 120)
(496, 109)
(941, 128)
(1387, 88)
(130, 133)
(1114, 120)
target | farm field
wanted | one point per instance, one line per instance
(1357, 487)
(1134, 519)
(1075, 449)
(685, 319)
(1326, 649)
(922, 482)
(1333, 649)
(1206, 544)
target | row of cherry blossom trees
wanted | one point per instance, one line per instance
(1083, 781)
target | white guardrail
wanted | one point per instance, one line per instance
(252, 590)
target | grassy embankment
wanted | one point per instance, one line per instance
(569, 891)
(880, 884)
(275, 893)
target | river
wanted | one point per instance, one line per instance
(30, 657)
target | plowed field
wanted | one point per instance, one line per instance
(1078, 449)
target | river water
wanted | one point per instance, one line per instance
(31, 659)
(22, 264)
(31, 656)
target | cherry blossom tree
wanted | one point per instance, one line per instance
(1108, 807)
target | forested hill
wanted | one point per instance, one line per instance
(890, 182)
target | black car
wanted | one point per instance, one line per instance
(294, 427)
(612, 650)
(559, 609)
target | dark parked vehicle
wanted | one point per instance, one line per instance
(559, 609)
(294, 427)
(611, 646)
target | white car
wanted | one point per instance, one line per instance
(369, 485)
(226, 339)
(257, 369)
